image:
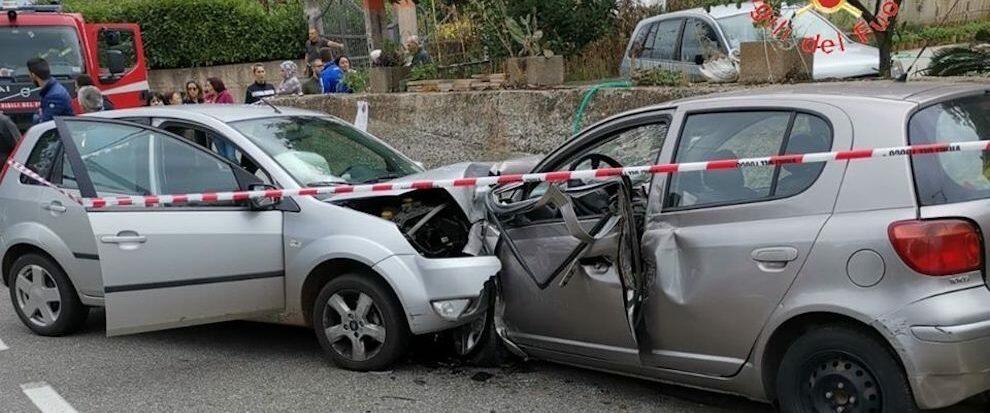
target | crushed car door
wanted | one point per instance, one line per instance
(572, 282)
(172, 266)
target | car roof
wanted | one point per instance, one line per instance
(715, 12)
(917, 91)
(222, 113)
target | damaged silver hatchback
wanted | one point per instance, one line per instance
(365, 271)
(833, 287)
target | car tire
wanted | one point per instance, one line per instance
(478, 343)
(360, 324)
(835, 366)
(44, 298)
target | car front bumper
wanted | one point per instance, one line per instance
(944, 342)
(439, 294)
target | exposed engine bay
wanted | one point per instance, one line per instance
(429, 219)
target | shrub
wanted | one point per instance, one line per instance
(568, 25)
(658, 77)
(190, 33)
(356, 81)
(939, 35)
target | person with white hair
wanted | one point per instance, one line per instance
(417, 54)
(90, 99)
(290, 81)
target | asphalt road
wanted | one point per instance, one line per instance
(246, 366)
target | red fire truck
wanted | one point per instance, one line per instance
(111, 54)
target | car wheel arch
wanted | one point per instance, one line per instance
(330, 269)
(19, 250)
(790, 330)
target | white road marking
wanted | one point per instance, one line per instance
(46, 398)
(3, 346)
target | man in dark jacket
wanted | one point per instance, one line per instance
(55, 100)
(9, 135)
(260, 89)
(315, 42)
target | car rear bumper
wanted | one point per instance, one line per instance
(439, 294)
(944, 342)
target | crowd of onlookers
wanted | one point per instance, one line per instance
(326, 71)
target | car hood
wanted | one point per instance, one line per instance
(465, 197)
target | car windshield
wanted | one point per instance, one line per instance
(58, 45)
(319, 151)
(741, 28)
(954, 176)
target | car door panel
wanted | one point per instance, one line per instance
(572, 281)
(170, 269)
(166, 267)
(577, 265)
(708, 271)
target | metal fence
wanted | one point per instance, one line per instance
(343, 21)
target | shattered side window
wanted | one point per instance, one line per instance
(635, 146)
(43, 157)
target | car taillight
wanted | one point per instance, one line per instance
(938, 247)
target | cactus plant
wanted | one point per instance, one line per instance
(526, 34)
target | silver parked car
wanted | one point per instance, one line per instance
(365, 271)
(831, 287)
(683, 41)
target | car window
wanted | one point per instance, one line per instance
(734, 135)
(635, 146)
(318, 151)
(665, 41)
(643, 41)
(43, 156)
(127, 160)
(216, 143)
(953, 176)
(699, 39)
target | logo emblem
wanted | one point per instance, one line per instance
(830, 6)
(25, 92)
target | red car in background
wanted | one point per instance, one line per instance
(112, 54)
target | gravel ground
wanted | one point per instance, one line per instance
(245, 366)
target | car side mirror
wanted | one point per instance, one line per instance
(699, 59)
(115, 62)
(262, 203)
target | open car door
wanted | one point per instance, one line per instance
(171, 266)
(572, 279)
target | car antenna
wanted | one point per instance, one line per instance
(904, 76)
(272, 106)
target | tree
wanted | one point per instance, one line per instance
(883, 20)
(313, 10)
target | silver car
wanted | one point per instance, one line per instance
(364, 271)
(847, 286)
(683, 41)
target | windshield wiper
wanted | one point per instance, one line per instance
(325, 183)
(388, 177)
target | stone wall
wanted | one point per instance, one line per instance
(445, 128)
(236, 77)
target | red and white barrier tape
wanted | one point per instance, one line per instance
(820, 157)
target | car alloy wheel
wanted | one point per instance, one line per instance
(355, 326)
(37, 295)
(838, 382)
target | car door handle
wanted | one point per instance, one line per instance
(775, 255)
(123, 239)
(55, 207)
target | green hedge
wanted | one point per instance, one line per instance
(191, 33)
(940, 35)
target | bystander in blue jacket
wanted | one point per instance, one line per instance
(55, 99)
(332, 75)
